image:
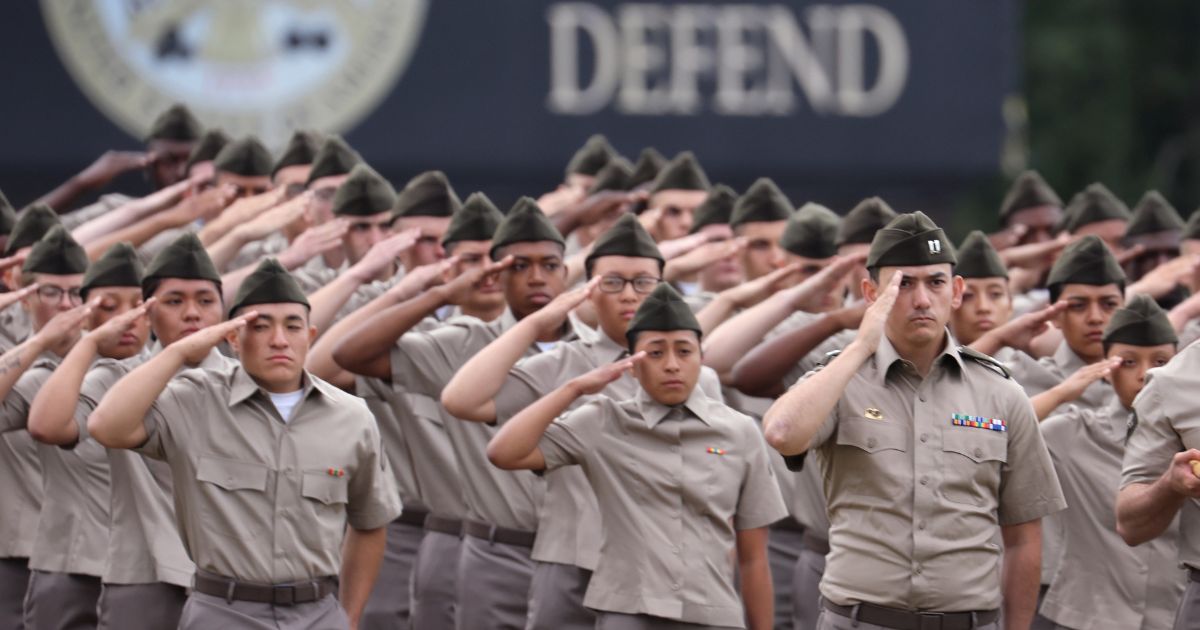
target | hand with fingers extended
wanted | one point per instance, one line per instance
(1020, 332)
(206, 205)
(457, 291)
(811, 295)
(1126, 255)
(874, 320)
(677, 247)
(273, 219)
(1074, 385)
(748, 294)
(554, 314)
(112, 164)
(382, 255)
(64, 327)
(313, 242)
(606, 204)
(12, 297)
(1008, 237)
(16, 260)
(111, 331)
(596, 380)
(1163, 279)
(702, 256)
(422, 279)
(193, 348)
(560, 199)
(1035, 255)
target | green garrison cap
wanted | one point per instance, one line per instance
(118, 267)
(864, 220)
(1093, 204)
(626, 237)
(910, 239)
(1085, 261)
(811, 232)
(177, 123)
(591, 157)
(244, 156)
(301, 150)
(681, 173)
(1191, 229)
(363, 194)
(649, 163)
(525, 223)
(1029, 190)
(978, 259)
(614, 176)
(207, 149)
(57, 253)
(184, 258)
(335, 157)
(1153, 214)
(717, 208)
(270, 283)
(1141, 322)
(762, 202)
(32, 224)
(8, 216)
(427, 195)
(663, 310)
(477, 220)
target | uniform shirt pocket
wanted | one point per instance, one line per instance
(871, 458)
(971, 463)
(235, 504)
(326, 507)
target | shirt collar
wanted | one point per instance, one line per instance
(654, 412)
(886, 356)
(605, 348)
(243, 386)
(1066, 359)
(1118, 420)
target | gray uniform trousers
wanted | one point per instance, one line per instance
(388, 607)
(14, 581)
(622, 621)
(140, 606)
(783, 551)
(61, 601)
(434, 591)
(806, 589)
(1188, 617)
(556, 598)
(493, 585)
(205, 612)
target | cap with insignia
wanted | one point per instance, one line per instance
(301, 150)
(811, 232)
(663, 310)
(716, 209)
(207, 149)
(762, 202)
(8, 216)
(335, 157)
(910, 239)
(118, 267)
(614, 176)
(1191, 229)
(427, 195)
(176, 123)
(978, 259)
(475, 221)
(32, 224)
(363, 194)
(626, 237)
(1141, 322)
(1029, 190)
(270, 283)
(245, 156)
(591, 157)
(1093, 204)
(184, 258)
(648, 165)
(525, 223)
(1152, 215)
(56, 253)
(861, 223)
(681, 173)
(1085, 261)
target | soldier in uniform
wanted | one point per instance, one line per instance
(660, 566)
(199, 164)
(1101, 582)
(28, 229)
(712, 219)
(760, 217)
(1156, 230)
(987, 301)
(1096, 211)
(678, 190)
(930, 455)
(1031, 211)
(281, 486)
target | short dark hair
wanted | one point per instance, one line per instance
(873, 273)
(1057, 289)
(499, 253)
(150, 287)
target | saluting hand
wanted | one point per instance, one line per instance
(1074, 385)
(810, 293)
(748, 294)
(1020, 332)
(194, 347)
(64, 326)
(458, 290)
(596, 380)
(701, 257)
(422, 278)
(551, 316)
(874, 320)
(112, 330)
(1181, 476)
(383, 254)
(313, 242)
(12, 297)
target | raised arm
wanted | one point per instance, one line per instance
(470, 394)
(1145, 510)
(203, 205)
(329, 299)
(241, 211)
(792, 422)
(225, 249)
(118, 421)
(1018, 333)
(57, 332)
(131, 212)
(1072, 387)
(97, 175)
(761, 371)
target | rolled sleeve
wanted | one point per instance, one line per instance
(1153, 442)
(1029, 487)
(760, 502)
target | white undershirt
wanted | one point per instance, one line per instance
(688, 288)
(546, 346)
(285, 403)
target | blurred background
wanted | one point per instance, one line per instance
(933, 105)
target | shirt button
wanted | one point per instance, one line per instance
(675, 586)
(921, 397)
(924, 437)
(978, 453)
(674, 449)
(675, 550)
(921, 525)
(924, 481)
(917, 570)
(871, 442)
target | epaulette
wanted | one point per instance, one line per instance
(795, 463)
(985, 361)
(829, 356)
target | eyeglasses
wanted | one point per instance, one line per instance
(616, 284)
(52, 295)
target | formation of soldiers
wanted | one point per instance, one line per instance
(276, 393)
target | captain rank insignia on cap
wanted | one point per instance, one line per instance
(978, 422)
(872, 413)
(935, 246)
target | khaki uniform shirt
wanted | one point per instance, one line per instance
(1190, 333)
(259, 499)
(422, 364)
(915, 500)
(103, 205)
(675, 484)
(21, 480)
(1168, 421)
(1103, 583)
(252, 252)
(15, 327)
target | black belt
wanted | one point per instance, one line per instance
(276, 594)
(412, 516)
(441, 524)
(1193, 574)
(908, 620)
(816, 544)
(788, 524)
(497, 534)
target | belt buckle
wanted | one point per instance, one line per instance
(278, 598)
(931, 620)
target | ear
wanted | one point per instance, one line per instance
(233, 338)
(959, 286)
(312, 335)
(870, 291)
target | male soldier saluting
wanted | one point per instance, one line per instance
(926, 448)
(269, 465)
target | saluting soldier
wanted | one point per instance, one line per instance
(281, 486)
(928, 451)
(682, 480)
